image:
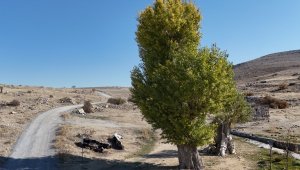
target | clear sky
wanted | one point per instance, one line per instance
(62, 43)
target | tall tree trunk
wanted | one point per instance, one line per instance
(189, 157)
(223, 140)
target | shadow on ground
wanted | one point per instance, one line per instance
(174, 154)
(67, 161)
(163, 154)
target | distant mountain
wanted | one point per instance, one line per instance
(269, 64)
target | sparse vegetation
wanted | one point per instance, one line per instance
(61, 139)
(283, 86)
(248, 93)
(275, 103)
(14, 103)
(87, 107)
(278, 161)
(66, 100)
(148, 139)
(116, 101)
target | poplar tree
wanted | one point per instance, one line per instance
(177, 85)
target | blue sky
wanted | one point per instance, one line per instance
(62, 43)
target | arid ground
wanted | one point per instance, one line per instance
(143, 148)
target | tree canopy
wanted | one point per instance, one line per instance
(177, 85)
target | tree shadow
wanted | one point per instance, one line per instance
(162, 154)
(174, 153)
(72, 162)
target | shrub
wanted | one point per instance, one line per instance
(117, 101)
(87, 107)
(275, 103)
(292, 84)
(283, 86)
(14, 103)
(248, 94)
(66, 100)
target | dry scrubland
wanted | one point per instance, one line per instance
(32, 100)
(275, 76)
(277, 79)
(143, 148)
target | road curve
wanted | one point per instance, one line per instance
(33, 149)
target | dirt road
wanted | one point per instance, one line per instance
(33, 149)
(35, 141)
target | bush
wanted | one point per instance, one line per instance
(283, 86)
(87, 107)
(292, 84)
(117, 101)
(14, 103)
(275, 103)
(66, 100)
(248, 94)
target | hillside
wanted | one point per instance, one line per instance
(264, 80)
(266, 65)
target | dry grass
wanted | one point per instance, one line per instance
(4, 131)
(61, 143)
(148, 139)
(275, 103)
